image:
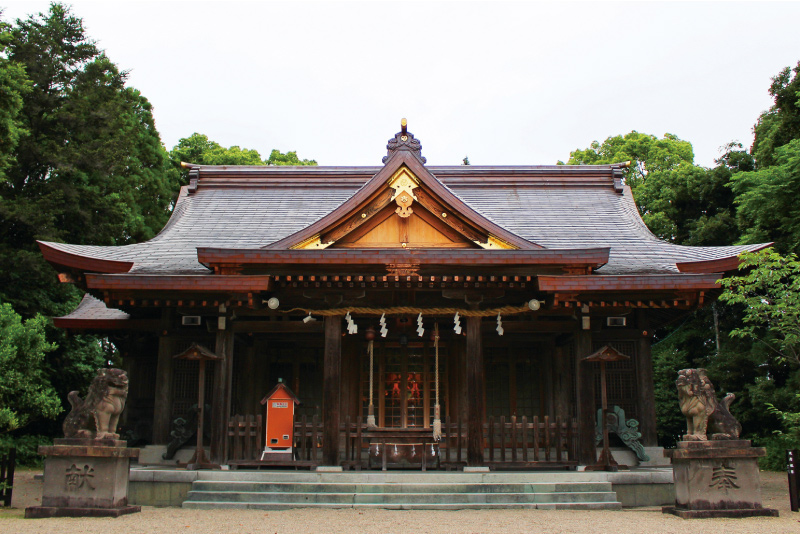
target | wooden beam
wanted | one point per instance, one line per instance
(360, 216)
(331, 390)
(475, 392)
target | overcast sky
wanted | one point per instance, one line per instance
(520, 83)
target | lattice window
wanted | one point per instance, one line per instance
(496, 368)
(404, 385)
(620, 378)
(527, 382)
(185, 374)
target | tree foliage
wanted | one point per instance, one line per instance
(13, 85)
(767, 200)
(781, 123)
(647, 154)
(25, 391)
(200, 150)
(87, 167)
(91, 168)
(769, 294)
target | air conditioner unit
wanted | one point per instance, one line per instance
(191, 320)
(616, 321)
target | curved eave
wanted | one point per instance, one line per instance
(720, 265)
(62, 258)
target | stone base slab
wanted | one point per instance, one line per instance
(707, 514)
(717, 478)
(40, 512)
(84, 476)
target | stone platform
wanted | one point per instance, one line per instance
(172, 487)
(85, 478)
(717, 478)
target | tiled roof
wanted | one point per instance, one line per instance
(91, 312)
(553, 206)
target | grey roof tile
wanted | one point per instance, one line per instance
(574, 216)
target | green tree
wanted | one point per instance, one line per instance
(276, 157)
(769, 294)
(13, 85)
(25, 390)
(88, 168)
(781, 123)
(693, 205)
(647, 154)
(91, 169)
(766, 199)
(200, 150)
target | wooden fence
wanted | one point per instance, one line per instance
(7, 464)
(508, 443)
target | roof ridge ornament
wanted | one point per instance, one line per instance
(404, 141)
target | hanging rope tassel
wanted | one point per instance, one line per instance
(437, 415)
(371, 408)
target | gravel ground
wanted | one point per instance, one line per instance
(27, 492)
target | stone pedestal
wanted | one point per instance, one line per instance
(85, 477)
(717, 478)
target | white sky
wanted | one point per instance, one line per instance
(519, 83)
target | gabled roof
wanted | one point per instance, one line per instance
(438, 200)
(581, 208)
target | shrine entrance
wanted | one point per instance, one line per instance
(404, 384)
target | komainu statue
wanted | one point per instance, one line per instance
(96, 416)
(703, 413)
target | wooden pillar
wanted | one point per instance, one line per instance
(561, 382)
(475, 392)
(220, 408)
(331, 390)
(587, 454)
(644, 380)
(548, 368)
(162, 406)
(248, 397)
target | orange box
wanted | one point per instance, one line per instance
(279, 403)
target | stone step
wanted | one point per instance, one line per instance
(211, 505)
(396, 487)
(401, 477)
(308, 499)
(277, 490)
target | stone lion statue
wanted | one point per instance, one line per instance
(703, 413)
(96, 416)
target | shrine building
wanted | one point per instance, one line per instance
(390, 300)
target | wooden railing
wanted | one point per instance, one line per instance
(513, 442)
(7, 464)
(518, 442)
